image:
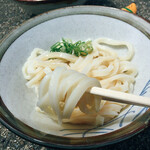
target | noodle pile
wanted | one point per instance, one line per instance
(61, 89)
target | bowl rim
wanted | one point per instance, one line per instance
(39, 2)
(16, 126)
(36, 1)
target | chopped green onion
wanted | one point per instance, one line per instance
(78, 48)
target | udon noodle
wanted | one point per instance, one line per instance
(60, 81)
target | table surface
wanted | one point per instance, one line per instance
(12, 15)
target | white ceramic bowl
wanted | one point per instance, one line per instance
(77, 23)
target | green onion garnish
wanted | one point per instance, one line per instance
(78, 48)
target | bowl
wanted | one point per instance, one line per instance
(77, 23)
(39, 6)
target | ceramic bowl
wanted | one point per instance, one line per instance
(39, 6)
(77, 23)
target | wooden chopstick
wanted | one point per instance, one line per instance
(120, 97)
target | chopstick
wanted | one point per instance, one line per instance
(120, 97)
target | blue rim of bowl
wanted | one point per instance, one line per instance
(35, 136)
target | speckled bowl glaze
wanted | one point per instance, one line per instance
(80, 22)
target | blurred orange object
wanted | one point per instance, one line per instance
(131, 8)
